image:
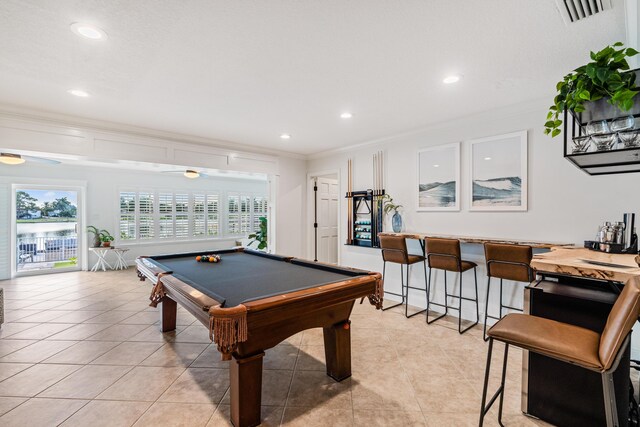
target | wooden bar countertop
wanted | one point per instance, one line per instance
(475, 239)
(575, 261)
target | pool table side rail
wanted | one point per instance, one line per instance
(228, 326)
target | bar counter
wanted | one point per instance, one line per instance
(476, 239)
(582, 262)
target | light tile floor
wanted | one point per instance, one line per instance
(84, 349)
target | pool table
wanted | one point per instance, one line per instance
(251, 301)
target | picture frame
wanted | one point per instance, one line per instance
(498, 168)
(438, 186)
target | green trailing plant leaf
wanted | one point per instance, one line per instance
(604, 77)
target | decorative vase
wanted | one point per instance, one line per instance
(396, 222)
(97, 242)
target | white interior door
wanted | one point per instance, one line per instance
(327, 198)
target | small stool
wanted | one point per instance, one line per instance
(569, 343)
(511, 262)
(444, 254)
(394, 249)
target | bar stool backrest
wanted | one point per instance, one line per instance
(443, 254)
(622, 317)
(394, 249)
(511, 262)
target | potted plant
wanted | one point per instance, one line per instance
(606, 78)
(106, 238)
(388, 206)
(97, 241)
(260, 236)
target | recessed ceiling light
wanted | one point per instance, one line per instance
(436, 166)
(487, 158)
(346, 115)
(191, 174)
(285, 136)
(454, 78)
(78, 92)
(88, 31)
(11, 159)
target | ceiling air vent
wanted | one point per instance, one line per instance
(575, 10)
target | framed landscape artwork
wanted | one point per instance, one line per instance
(439, 178)
(498, 173)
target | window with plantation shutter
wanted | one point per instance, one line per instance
(127, 215)
(167, 215)
(245, 215)
(233, 214)
(146, 228)
(182, 215)
(198, 224)
(213, 215)
(165, 219)
(259, 210)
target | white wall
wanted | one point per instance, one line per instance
(565, 204)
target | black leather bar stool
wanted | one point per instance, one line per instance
(569, 343)
(444, 254)
(504, 261)
(394, 249)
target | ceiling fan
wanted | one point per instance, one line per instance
(18, 159)
(189, 173)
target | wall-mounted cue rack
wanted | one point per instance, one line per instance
(364, 207)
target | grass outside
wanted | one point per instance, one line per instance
(39, 220)
(64, 264)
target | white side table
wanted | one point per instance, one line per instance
(121, 263)
(101, 263)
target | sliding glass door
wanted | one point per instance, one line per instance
(47, 229)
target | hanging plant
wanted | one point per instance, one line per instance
(603, 77)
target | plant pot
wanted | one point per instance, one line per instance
(396, 222)
(106, 244)
(97, 242)
(603, 110)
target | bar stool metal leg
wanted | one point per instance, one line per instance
(486, 310)
(500, 392)
(406, 307)
(461, 297)
(429, 302)
(610, 407)
(384, 269)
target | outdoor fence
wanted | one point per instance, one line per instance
(46, 249)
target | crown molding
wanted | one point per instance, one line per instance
(81, 123)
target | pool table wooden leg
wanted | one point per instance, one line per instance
(168, 314)
(337, 350)
(246, 390)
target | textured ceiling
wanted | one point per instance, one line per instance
(247, 71)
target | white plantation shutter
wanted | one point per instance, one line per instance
(182, 215)
(198, 219)
(127, 215)
(165, 219)
(146, 220)
(245, 214)
(5, 236)
(165, 215)
(213, 215)
(233, 214)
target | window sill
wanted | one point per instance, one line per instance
(157, 242)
